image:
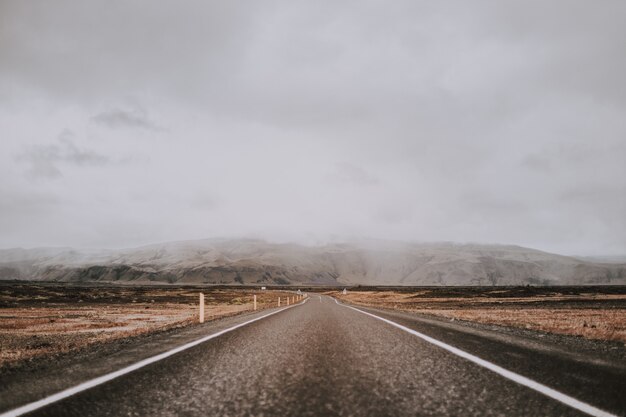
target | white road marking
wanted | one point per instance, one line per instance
(105, 378)
(522, 380)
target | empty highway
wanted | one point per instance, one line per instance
(321, 358)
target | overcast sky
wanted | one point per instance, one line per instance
(131, 122)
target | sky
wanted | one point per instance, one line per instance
(125, 123)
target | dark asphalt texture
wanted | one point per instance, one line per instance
(323, 359)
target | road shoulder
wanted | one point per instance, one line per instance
(38, 378)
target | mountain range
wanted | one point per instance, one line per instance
(247, 261)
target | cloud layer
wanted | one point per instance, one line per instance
(135, 122)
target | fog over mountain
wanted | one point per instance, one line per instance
(124, 123)
(220, 261)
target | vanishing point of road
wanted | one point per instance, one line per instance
(321, 358)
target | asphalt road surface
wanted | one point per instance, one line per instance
(321, 358)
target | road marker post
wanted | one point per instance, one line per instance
(278, 301)
(61, 395)
(201, 318)
(255, 301)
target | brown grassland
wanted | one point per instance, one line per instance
(583, 313)
(37, 320)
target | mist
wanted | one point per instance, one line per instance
(129, 123)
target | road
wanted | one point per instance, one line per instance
(322, 358)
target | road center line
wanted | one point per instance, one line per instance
(522, 380)
(108, 377)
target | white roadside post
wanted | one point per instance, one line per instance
(201, 318)
(255, 301)
(278, 301)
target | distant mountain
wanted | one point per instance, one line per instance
(219, 261)
(609, 259)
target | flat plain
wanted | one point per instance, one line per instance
(590, 312)
(48, 319)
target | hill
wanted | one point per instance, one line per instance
(220, 261)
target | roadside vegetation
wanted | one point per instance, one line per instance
(44, 319)
(590, 312)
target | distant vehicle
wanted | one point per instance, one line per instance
(263, 288)
(344, 292)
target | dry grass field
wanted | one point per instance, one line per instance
(583, 312)
(40, 320)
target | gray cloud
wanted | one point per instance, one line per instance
(537, 162)
(44, 161)
(122, 118)
(204, 203)
(482, 121)
(347, 173)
